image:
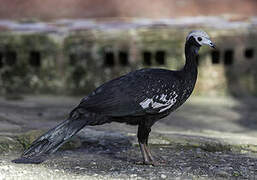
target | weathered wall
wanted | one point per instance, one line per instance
(78, 61)
(97, 56)
(27, 63)
(232, 67)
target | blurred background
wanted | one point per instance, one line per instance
(67, 48)
(72, 46)
(52, 53)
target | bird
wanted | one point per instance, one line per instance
(141, 97)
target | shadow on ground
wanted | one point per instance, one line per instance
(206, 138)
(120, 160)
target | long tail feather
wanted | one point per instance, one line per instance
(50, 142)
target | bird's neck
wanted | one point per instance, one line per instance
(191, 53)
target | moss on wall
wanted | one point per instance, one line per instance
(28, 63)
(80, 61)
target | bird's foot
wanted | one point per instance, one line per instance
(151, 163)
(158, 163)
(31, 160)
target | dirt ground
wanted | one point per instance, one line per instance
(207, 138)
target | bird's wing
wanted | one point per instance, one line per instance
(124, 96)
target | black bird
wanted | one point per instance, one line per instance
(140, 98)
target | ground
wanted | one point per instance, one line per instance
(209, 137)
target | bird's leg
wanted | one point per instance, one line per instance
(148, 152)
(142, 135)
(146, 159)
(152, 159)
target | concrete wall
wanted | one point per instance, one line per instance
(79, 61)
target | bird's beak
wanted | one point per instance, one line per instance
(209, 43)
(212, 45)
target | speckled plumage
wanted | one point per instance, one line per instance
(140, 98)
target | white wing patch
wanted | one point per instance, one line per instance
(164, 103)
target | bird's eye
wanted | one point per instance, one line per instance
(199, 39)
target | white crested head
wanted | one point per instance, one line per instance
(200, 37)
(198, 33)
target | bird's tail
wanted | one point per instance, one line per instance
(50, 141)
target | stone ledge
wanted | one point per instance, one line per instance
(211, 142)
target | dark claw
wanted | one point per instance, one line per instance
(152, 163)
